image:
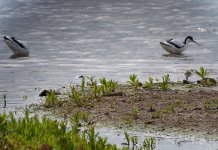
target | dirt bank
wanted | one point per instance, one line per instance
(194, 110)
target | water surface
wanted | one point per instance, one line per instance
(102, 38)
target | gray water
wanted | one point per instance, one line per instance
(101, 38)
(163, 141)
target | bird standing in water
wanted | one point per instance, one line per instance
(18, 48)
(189, 73)
(176, 46)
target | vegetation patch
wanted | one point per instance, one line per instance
(157, 103)
(33, 133)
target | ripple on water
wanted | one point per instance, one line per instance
(11, 65)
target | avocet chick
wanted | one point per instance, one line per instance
(189, 73)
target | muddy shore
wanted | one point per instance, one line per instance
(189, 110)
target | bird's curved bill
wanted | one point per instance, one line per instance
(197, 43)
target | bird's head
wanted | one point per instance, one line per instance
(6, 38)
(189, 39)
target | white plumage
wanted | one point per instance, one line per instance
(176, 46)
(18, 48)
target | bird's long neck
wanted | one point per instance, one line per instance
(187, 40)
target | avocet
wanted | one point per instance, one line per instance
(18, 48)
(176, 46)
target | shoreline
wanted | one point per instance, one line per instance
(181, 110)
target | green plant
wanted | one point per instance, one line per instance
(90, 81)
(75, 96)
(82, 85)
(211, 104)
(3, 126)
(179, 102)
(171, 108)
(76, 119)
(24, 97)
(134, 140)
(80, 118)
(85, 117)
(108, 86)
(127, 137)
(205, 81)
(149, 84)
(113, 85)
(135, 112)
(202, 72)
(165, 82)
(42, 133)
(134, 81)
(156, 114)
(151, 107)
(92, 137)
(97, 90)
(149, 143)
(51, 98)
(128, 120)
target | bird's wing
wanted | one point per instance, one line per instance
(177, 43)
(19, 43)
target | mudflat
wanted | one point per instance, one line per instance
(189, 110)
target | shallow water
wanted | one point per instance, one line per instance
(162, 140)
(106, 38)
(102, 38)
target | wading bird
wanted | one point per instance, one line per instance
(176, 46)
(18, 48)
(189, 73)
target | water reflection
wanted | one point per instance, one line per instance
(174, 55)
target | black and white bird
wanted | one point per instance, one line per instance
(176, 46)
(18, 48)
